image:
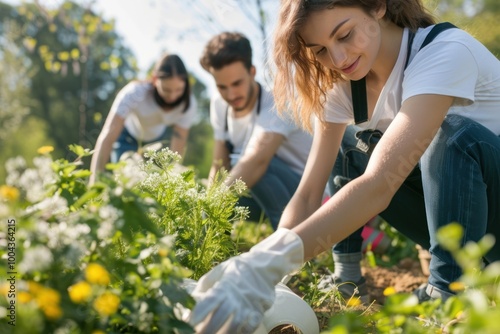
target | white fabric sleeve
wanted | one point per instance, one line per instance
(338, 105)
(218, 117)
(235, 294)
(443, 68)
(127, 99)
(190, 116)
(270, 121)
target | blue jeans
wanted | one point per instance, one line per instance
(126, 142)
(272, 193)
(457, 180)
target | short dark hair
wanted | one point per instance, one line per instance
(226, 48)
(171, 65)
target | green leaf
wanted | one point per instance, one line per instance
(450, 236)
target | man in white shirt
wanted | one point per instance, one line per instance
(265, 151)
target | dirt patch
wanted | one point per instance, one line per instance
(404, 277)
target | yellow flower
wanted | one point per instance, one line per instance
(48, 300)
(98, 331)
(45, 149)
(24, 297)
(97, 274)
(80, 292)
(47, 297)
(457, 286)
(34, 287)
(52, 312)
(163, 252)
(4, 289)
(389, 291)
(107, 303)
(9, 193)
(354, 301)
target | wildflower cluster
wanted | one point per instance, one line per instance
(473, 310)
(104, 258)
(200, 218)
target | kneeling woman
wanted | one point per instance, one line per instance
(148, 111)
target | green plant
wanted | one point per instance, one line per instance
(200, 218)
(104, 258)
(472, 310)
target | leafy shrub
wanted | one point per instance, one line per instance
(106, 258)
(473, 310)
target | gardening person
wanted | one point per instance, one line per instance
(438, 160)
(144, 112)
(265, 151)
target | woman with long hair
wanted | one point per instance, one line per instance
(143, 112)
(424, 150)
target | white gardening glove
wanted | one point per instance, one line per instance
(233, 297)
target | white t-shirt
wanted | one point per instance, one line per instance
(242, 131)
(144, 118)
(453, 64)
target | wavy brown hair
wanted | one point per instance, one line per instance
(301, 82)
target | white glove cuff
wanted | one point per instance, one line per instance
(287, 245)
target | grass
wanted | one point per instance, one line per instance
(304, 283)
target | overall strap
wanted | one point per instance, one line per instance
(359, 101)
(358, 88)
(436, 30)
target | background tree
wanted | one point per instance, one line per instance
(15, 97)
(77, 63)
(478, 17)
(206, 18)
(65, 64)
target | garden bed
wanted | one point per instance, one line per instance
(405, 276)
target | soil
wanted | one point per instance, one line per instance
(406, 276)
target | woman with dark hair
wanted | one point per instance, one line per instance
(418, 105)
(144, 112)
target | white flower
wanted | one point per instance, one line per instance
(110, 217)
(45, 171)
(4, 210)
(167, 241)
(131, 173)
(105, 229)
(37, 258)
(52, 205)
(15, 164)
(31, 182)
(73, 255)
(109, 212)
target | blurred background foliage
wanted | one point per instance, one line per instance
(60, 69)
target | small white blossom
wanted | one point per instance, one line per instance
(37, 258)
(15, 164)
(4, 210)
(105, 229)
(52, 205)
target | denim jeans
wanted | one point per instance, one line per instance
(456, 180)
(126, 142)
(272, 192)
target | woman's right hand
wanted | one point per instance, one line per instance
(233, 297)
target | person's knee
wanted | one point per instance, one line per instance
(456, 129)
(454, 136)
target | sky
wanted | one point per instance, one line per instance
(151, 27)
